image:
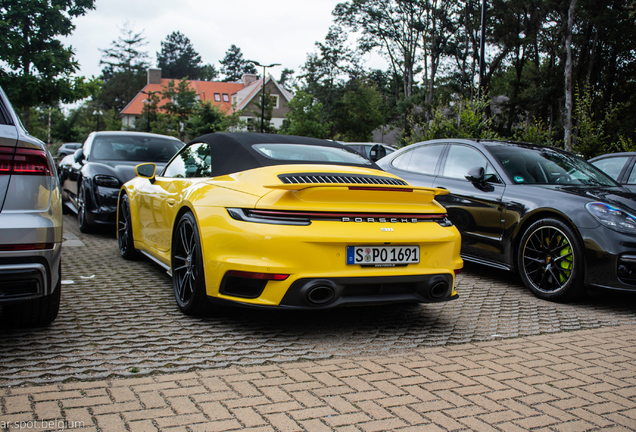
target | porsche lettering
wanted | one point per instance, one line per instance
(380, 220)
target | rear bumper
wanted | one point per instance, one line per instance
(328, 293)
(27, 275)
(357, 291)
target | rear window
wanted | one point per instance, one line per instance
(310, 153)
(137, 149)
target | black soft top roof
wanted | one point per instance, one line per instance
(233, 152)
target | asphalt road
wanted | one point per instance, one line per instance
(119, 318)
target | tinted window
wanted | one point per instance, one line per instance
(422, 160)
(133, 148)
(462, 159)
(632, 176)
(612, 166)
(314, 153)
(547, 166)
(193, 161)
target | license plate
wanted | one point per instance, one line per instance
(383, 256)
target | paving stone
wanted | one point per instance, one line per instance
(121, 356)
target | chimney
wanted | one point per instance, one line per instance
(154, 76)
(249, 79)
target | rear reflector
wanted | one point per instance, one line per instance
(265, 276)
(458, 271)
(26, 247)
(24, 161)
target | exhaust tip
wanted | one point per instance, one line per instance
(320, 294)
(439, 290)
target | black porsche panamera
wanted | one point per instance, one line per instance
(91, 179)
(557, 220)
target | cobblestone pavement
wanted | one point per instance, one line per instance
(119, 319)
(571, 381)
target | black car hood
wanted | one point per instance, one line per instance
(123, 170)
(617, 196)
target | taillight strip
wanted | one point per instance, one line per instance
(25, 247)
(383, 189)
(278, 213)
(24, 161)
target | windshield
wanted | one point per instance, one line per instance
(310, 153)
(547, 166)
(134, 148)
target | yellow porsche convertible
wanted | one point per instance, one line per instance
(287, 222)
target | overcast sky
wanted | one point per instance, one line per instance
(272, 31)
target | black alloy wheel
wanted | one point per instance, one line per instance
(82, 222)
(124, 230)
(188, 276)
(551, 260)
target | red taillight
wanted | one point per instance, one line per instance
(24, 161)
(26, 247)
(264, 276)
(458, 271)
(381, 189)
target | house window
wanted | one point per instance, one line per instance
(226, 97)
(217, 97)
(274, 100)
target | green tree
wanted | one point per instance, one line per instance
(36, 68)
(286, 78)
(208, 73)
(206, 118)
(124, 72)
(233, 66)
(182, 102)
(178, 59)
(305, 117)
(464, 119)
(359, 112)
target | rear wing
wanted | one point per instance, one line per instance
(358, 186)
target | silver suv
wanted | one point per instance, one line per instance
(30, 226)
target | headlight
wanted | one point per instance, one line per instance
(106, 181)
(612, 217)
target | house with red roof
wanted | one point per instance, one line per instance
(231, 97)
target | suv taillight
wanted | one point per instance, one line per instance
(24, 161)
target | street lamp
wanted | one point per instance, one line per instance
(149, 102)
(255, 63)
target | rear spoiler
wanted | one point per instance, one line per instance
(357, 186)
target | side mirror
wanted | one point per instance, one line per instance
(377, 152)
(477, 176)
(79, 155)
(146, 170)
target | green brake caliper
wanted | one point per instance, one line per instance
(565, 264)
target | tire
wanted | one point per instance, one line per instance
(188, 276)
(124, 230)
(82, 222)
(34, 313)
(550, 260)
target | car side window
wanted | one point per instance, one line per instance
(632, 176)
(422, 160)
(3, 119)
(193, 161)
(612, 166)
(462, 159)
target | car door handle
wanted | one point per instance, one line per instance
(170, 202)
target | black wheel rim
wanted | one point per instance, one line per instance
(123, 227)
(184, 265)
(548, 259)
